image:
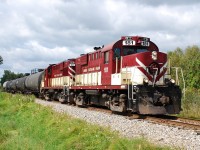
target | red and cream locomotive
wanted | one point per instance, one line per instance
(127, 75)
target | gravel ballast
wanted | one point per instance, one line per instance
(159, 134)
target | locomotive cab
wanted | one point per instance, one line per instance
(131, 54)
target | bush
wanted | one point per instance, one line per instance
(191, 104)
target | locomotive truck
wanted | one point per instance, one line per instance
(128, 75)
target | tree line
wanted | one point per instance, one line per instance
(8, 75)
(189, 61)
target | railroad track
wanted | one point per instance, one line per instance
(182, 123)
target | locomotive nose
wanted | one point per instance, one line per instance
(154, 68)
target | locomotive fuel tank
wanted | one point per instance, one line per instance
(33, 82)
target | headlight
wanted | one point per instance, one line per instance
(169, 81)
(172, 81)
(146, 81)
(154, 55)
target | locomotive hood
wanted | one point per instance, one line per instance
(151, 65)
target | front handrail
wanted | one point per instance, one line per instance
(177, 80)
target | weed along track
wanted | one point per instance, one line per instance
(162, 130)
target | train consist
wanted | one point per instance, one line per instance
(127, 75)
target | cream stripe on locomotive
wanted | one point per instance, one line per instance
(60, 81)
(80, 80)
(131, 75)
(93, 78)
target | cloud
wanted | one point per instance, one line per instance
(35, 34)
(171, 3)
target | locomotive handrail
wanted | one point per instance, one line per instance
(154, 77)
(177, 79)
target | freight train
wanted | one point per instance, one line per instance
(128, 75)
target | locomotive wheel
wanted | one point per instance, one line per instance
(47, 97)
(55, 96)
(72, 98)
(62, 99)
(80, 100)
(117, 104)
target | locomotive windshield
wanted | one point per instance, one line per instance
(133, 50)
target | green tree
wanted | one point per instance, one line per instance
(176, 57)
(8, 75)
(189, 61)
(192, 66)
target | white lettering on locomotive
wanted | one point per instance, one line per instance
(145, 43)
(58, 75)
(128, 42)
(97, 68)
(91, 69)
(106, 69)
(84, 70)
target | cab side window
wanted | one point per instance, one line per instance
(106, 57)
(116, 53)
(49, 70)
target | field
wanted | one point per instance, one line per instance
(26, 125)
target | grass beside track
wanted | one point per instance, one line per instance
(27, 125)
(191, 104)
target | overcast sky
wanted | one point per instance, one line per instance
(34, 34)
